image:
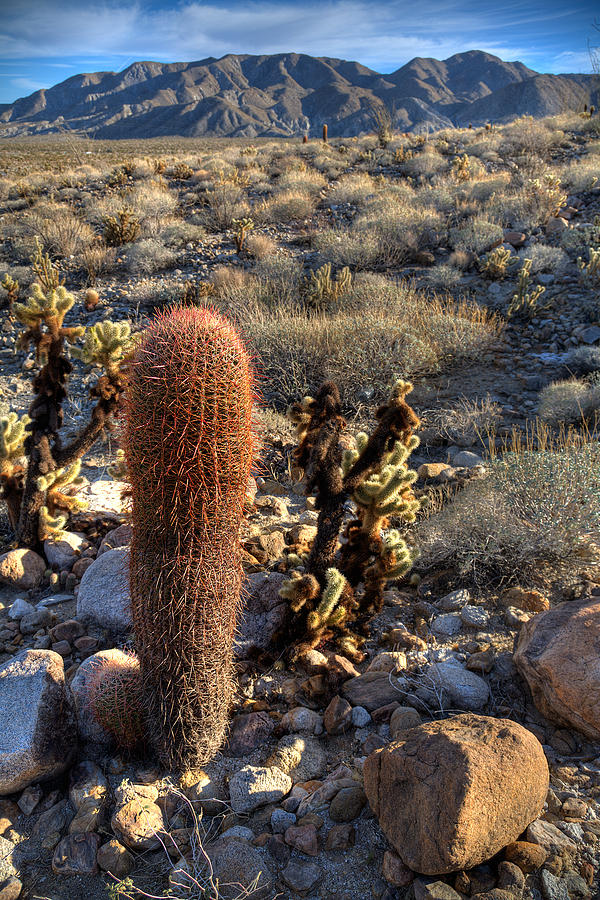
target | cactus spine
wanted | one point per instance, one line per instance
(189, 447)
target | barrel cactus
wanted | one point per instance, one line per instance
(189, 447)
(115, 699)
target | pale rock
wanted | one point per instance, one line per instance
(62, 552)
(255, 786)
(103, 596)
(22, 568)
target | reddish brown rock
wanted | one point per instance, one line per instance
(450, 794)
(394, 871)
(248, 732)
(338, 716)
(76, 855)
(528, 857)
(558, 654)
(303, 838)
(530, 601)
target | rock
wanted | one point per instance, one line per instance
(434, 890)
(89, 817)
(455, 600)
(37, 720)
(555, 225)
(137, 824)
(238, 831)
(467, 460)
(515, 238)
(591, 335)
(34, 621)
(118, 537)
(447, 625)
(403, 719)
(80, 566)
(7, 868)
(89, 728)
(388, 661)
(19, 609)
(482, 662)
(474, 616)
(237, 865)
(103, 596)
(360, 716)
(347, 804)
(394, 871)
(281, 820)
(530, 601)
(574, 808)
(115, 859)
(427, 471)
(516, 618)
(301, 876)
(206, 794)
(76, 855)
(558, 655)
(303, 838)
(453, 687)
(511, 878)
(52, 823)
(338, 716)
(11, 888)
(452, 793)
(553, 888)
(302, 721)
(87, 782)
(22, 569)
(30, 798)
(300, 756)
(104, 496)
(254, 786)
(67, 631)
(340, 837)
(527, 856)
(263, 613)
(371, 690)
(248, 732)
(62, 552)
(550, 837)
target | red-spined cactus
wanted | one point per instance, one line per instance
(189, 444)
(116, 701)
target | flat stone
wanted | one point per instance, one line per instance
(388, 661)
(371, 690)
(454, 601)
(553, 888)
(237, 865)
(281, 820)
(20, 608)
(300, 756)
(591, 335)
(254, 786)
(116, 859)
(37, 720)
(467, 460)
(433, 890)
(302, 720)
(103, 596)
(302, 838)
(475, 616)
(455, 687)
(338, 716)
(301, 876)
(550, 837)
(207, 794)
(347, 804)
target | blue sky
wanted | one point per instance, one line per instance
(43, 42)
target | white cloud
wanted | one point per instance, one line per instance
(373, 33)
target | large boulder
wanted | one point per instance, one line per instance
(450, 794)
(37, 720)
(22, 568)
(558, 654)
(104, 597)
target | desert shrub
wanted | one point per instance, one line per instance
(346, 247)
(535, 512)
(527, 138)
(260, 246)
(147, 256)
(425, 164)
(178, 234)
(224, 203)
(467, 422)
(583, 360)
(287, 206)
(307, 182)
(443, 277)
(354, 189)
(60, 230)
(570, 402)
(152, 204)
(483, 190)
(545, 258)
(582, 175)
(477, 235)
(97, 259)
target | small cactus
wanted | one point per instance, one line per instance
(115, 699)
(325, 133)
(121, 229)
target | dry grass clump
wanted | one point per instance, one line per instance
(477, 235)
(147, 256)
(355, 188)
(260, 246)
(426, 164)
(97, 260)
(224, 202)
(286, 206)
(61, 231)
(582, 175)
(443, 277)
(306, 181)
(570, 402)
(383, 330)
(545, 258)
(535, 513)
(583, 360)
(179, 233)
(466, 423)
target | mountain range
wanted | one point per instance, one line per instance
(292, 94)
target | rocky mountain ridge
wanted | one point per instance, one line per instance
(291, 94)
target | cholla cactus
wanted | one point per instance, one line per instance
(589, 271)
(462, 168)
(495, 264)
(242, 227)
(106, 345)
(12, 438)
(118, 469)
(322, 291)
(12, 288)
(121, 229)
(55, 513)
(525, 303)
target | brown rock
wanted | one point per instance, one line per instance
(428, 471)
(555, 225)
(394, 871)
(11, 888)
(340, 837)
(22, 569)
(303, 838)
(248, 732)
(451, 794)
(80, 566)
(403, 718)
(76, 855)
(138, 823)
(338, 716)
(67, 631)
(347, 804)
(372, 690)
(514, 238)
(530, 601)
(558, 654)
(528, 857)
(483, 661)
